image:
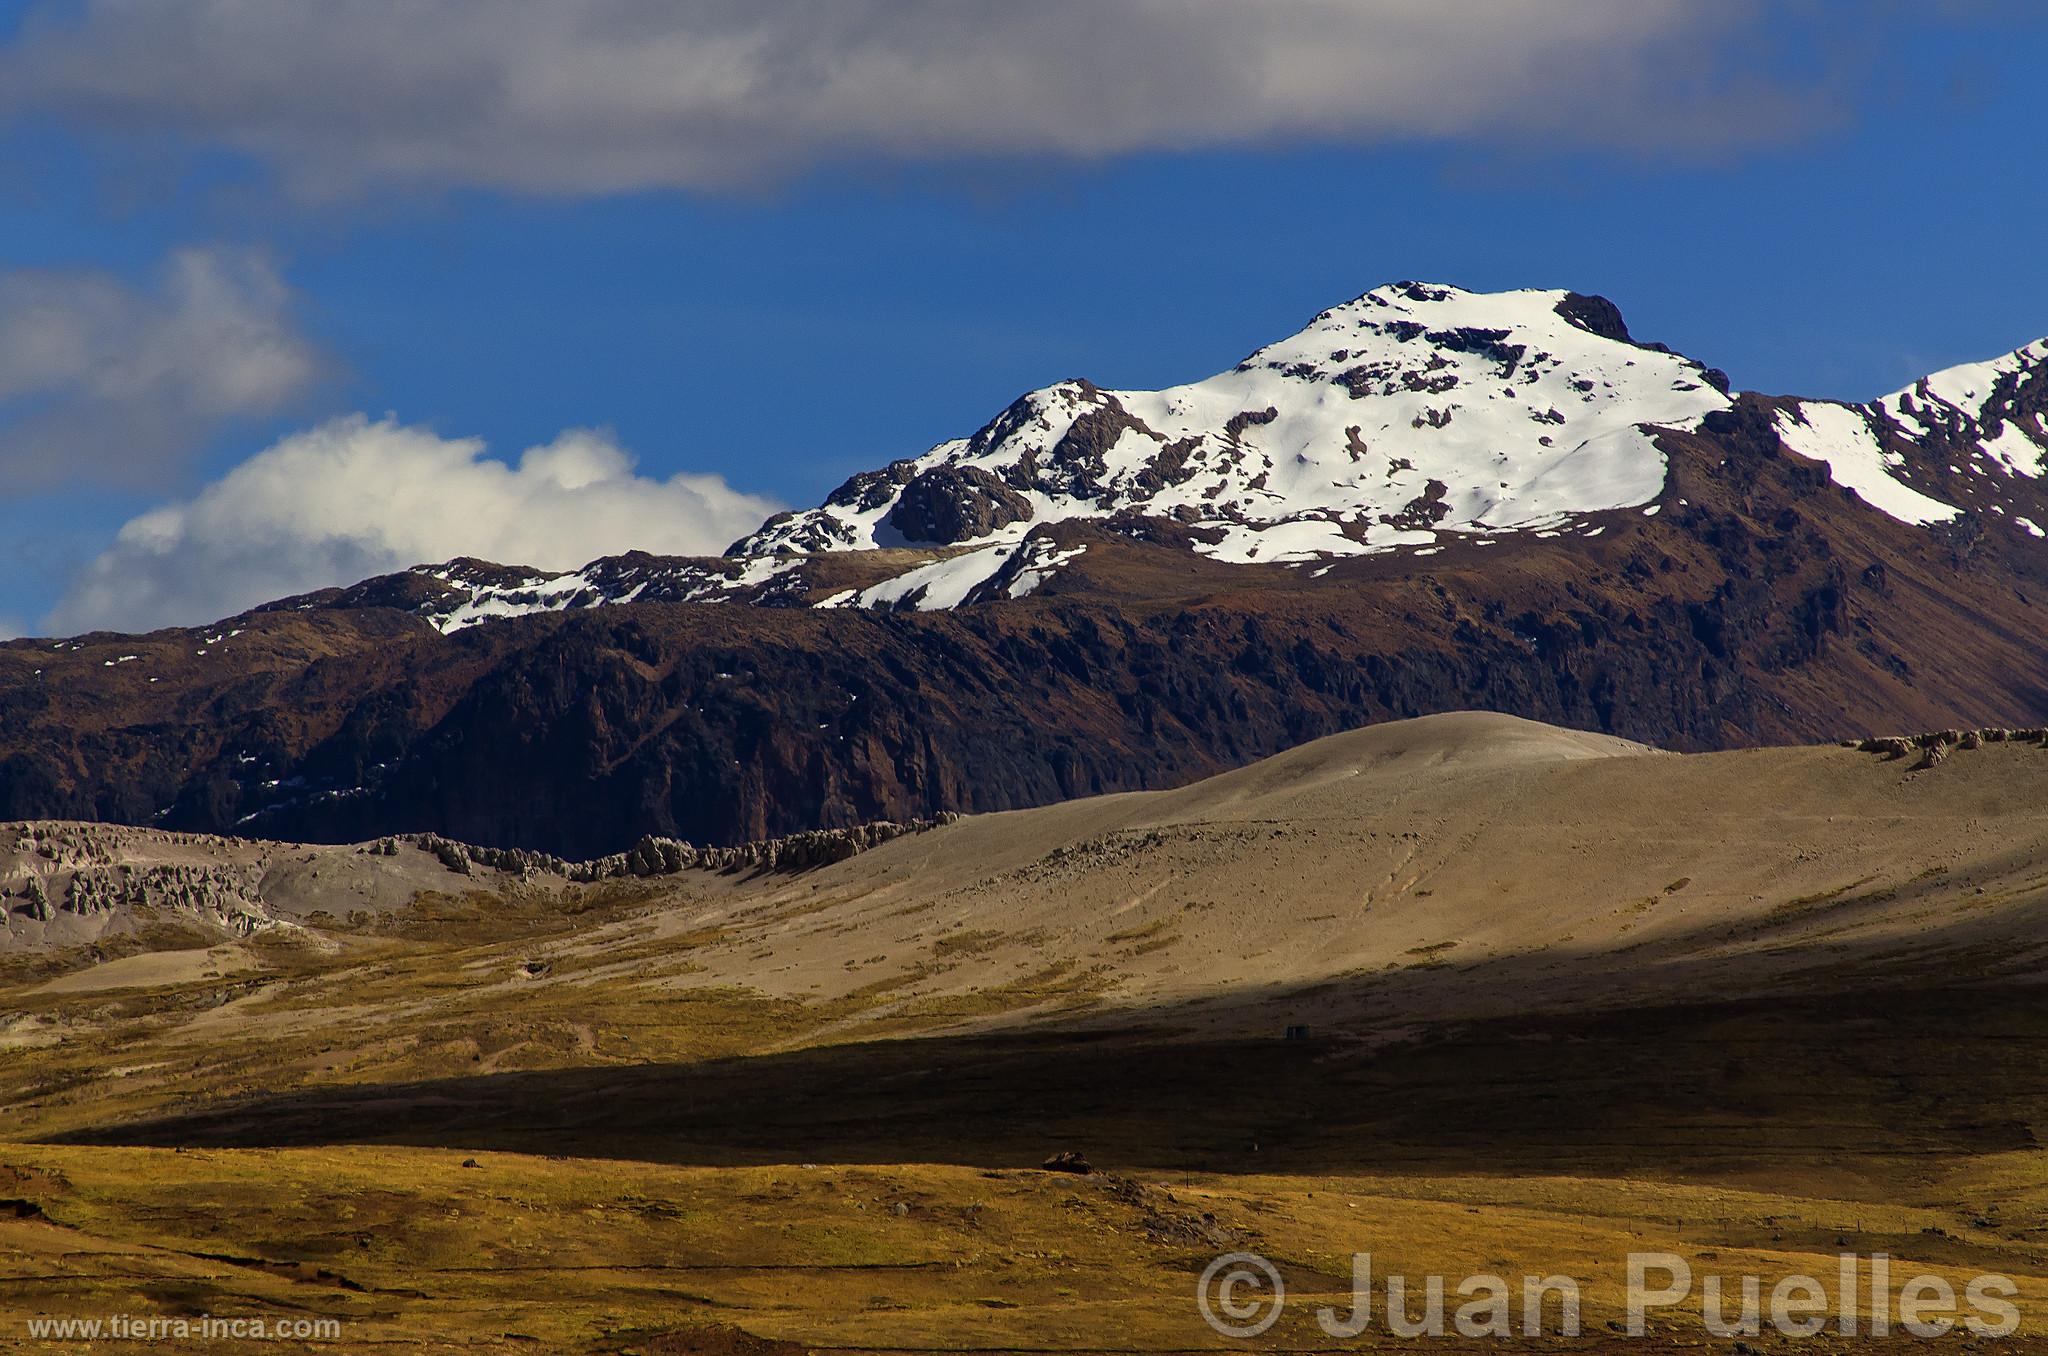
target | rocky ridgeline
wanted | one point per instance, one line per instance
(1934, 746)
(653, 856)
(65, 845)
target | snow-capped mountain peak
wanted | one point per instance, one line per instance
(1414, 410)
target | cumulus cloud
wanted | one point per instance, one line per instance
(102, 381)
(577, 96)
(356, 497)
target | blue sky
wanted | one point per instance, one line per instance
(784, 324)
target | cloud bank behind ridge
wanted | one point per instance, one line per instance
(355, 497)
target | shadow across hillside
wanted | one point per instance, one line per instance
(1869, 1078)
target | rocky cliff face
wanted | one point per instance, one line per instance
(1113, 590)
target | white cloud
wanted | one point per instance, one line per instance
(101, 381)
(355, 497)
(576, 96)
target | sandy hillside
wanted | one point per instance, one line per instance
(1478, 845)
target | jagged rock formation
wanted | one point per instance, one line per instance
(653, 856)
(87, 871)
(1935, 746)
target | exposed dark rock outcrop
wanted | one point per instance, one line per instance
(949, 504)
(1595, 314)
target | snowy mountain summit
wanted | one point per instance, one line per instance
(1414, 410)
(1409, 418)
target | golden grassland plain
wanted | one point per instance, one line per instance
(1567, 999)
